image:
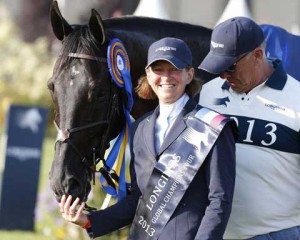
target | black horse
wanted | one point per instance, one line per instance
(88, 105)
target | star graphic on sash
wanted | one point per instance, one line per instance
(195, 138)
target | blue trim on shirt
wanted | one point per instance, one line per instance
(267, 134)
(277, 80)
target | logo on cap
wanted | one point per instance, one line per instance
(217, 45)
(165, 48)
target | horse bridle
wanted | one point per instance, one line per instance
(64, 134)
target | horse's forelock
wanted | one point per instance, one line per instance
(80, 40)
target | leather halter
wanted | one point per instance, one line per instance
(64, 134)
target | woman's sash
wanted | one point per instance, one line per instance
(174, 172)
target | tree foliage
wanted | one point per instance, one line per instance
(25, 68)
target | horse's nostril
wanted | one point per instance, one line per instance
(75, 188)
(73, 185)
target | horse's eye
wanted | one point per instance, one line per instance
(51, 88)
(50, 85)
(98, 94)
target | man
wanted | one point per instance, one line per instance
(264, 101)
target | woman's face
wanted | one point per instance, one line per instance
(168, 82)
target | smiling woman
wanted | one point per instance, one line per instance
(167, 81)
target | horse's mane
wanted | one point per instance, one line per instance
(136, 33)
(135, 23)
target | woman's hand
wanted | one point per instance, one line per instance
(73, 212)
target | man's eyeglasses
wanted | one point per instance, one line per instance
(232, 67)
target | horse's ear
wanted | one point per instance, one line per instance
(60, 26)
(96, 27)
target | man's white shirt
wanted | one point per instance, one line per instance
(267, 190)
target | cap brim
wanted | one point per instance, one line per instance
(171, 59)
(216, 64)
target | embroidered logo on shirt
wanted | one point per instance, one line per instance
(274, 107)
(221, 101)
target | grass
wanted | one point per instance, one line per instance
(49, 224)
(17, 235)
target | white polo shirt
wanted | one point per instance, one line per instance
(267, 190)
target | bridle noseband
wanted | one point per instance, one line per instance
(63, 135)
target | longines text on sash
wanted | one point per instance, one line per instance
(161, 185)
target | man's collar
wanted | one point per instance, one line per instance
(276, 81)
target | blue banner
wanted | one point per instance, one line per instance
(25, 130)
(284, 46)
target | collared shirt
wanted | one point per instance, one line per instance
(267, 189)
(167, 115)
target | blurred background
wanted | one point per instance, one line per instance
(28, 50)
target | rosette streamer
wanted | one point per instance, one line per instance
(119, 68)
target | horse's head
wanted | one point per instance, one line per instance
(87, 104)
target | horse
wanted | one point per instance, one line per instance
(88, 105)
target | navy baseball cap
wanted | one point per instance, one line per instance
(173, 50)
(229, 40)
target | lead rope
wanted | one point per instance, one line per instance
(119, 68)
